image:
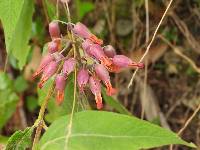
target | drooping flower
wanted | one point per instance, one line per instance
(103, 74)
(109, 51)
(96, 51)
(69, 66)
(54, 30)
(95, 88)
(44, 62)
(60, 87)
(82, 78)
(86, 46)
(53, 47)
(123, 61)
(82, 31)
(49, 71)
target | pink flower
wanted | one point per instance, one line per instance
(53, 47)
(69, 66)
(54, 30)
(82, 31)
(97, 52)
(82, 79)
(49, 71)
(123, 61)
(103, 74)
(86, 46)
(95, 88)
(44, 62)
(109, 51)
(60, 87)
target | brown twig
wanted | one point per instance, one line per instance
(146, 61)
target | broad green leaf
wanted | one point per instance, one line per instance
(16, 17)
(83, 8)
(114, 103)
(98, 130)
(20, 140)
(8, 99)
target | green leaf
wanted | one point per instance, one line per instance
(98, 130)
(5, 81)
(51, 9)
(31, 103)
(16, 17)
(20, 140)
(114, 103)
(20, 84)
(8, 99)
(83, 8)
(3, 139)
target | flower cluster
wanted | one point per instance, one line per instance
(104, 60)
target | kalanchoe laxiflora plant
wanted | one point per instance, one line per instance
(104, 60)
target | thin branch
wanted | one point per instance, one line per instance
(45, 10)
(6, 63)
(75, 86)
(39, 121)
(154, 35)
(146, 61)
(57, 9)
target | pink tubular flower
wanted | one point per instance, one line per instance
(44, 62)
(54, 30)
(69, 66)
(109, 51)
(103, 74)
(95, 88)
(53, 47)
(82, 79)
(97, 52)
(49, 71)
(123, 61)
(60, 87)
(86, 46)
(82, 31)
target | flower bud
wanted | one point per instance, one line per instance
(109, 51)
(82, 79)
(54, 30)
(44, 62)
(123, 61)
(86, 46)
(95, 88)
(60, 87)
(53, 47)
(81, 30)
(69, 65)
(103, 74)
(97, 52)
(49, 71)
